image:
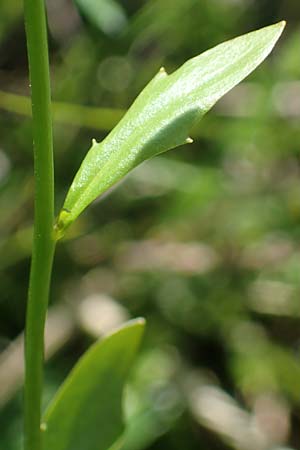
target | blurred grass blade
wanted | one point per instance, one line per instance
(83, 116)
(163, 115)
(86, 413)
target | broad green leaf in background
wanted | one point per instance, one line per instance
(86, 413)
(163, 114)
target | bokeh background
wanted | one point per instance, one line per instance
(202, 241)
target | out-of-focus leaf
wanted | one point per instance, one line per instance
(163, 115)
(107, 15)
(84, 116)
(10, 14)
(86, 413)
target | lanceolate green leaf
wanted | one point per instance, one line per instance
(86, 413)
(163, 114)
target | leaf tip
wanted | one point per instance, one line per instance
(163, 71)
(189, 140)
(140, 321)
(279, 26)
(282, 23)
(61, 224)
(94, 142)
(136, 325)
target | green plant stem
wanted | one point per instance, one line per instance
(43, 242)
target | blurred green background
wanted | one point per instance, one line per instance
(202, 241)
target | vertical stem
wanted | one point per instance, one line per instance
(43, 242)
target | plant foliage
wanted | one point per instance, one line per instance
(163, 115)
(86, 413)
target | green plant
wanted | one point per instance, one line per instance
(160, 119)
